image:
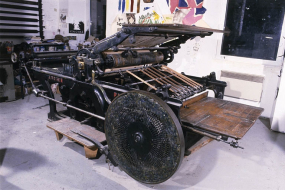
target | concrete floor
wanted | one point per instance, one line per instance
(31, 158)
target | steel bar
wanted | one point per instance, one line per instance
(151, 80)
(218, 137)
(86, 120)
(180, 78)
(18, 19)
(117, 70)
(54, 54)
(72, 107)
(18, 13)
(143, 48)
(154, 78)
(64, 104)
(194, 33)
(171, 79)
(163, 80)
(186, 78)
(18, 31)
(56, 74)
(190, 83)
(41, 19)
(178, 75)
(141, 79)
(25, 25)
(177, 27)
(10, 36)
(21, 2)
(29, 77)
(18, 7)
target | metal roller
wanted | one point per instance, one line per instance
(54, 54)
(117, 60)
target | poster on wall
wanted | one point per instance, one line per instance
(62, 17)
(76, 28)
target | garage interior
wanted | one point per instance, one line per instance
(250, 59)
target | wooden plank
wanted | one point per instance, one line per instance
(58, 135)
(64, 126)
(220, 116)
(201, 143)
(141, 80)
(195, 99)
(90, 152)
(182, 77)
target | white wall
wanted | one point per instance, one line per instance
(51, 18)
(278, 121)
(207, 58)
(78, 10)
(199, 57)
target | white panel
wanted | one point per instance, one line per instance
(243, 89)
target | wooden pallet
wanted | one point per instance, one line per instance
(64, 126)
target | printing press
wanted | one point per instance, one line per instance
(150, 114)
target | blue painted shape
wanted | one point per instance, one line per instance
(200, 11)
(123, 6)
(182, 3)
(176, 9)
(198, 1)
(119, 7)
(167, 1)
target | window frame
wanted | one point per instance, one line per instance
(280, 53)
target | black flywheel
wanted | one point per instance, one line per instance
(144, 136)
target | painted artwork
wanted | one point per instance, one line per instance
(131, 18)
(76, 28)
(149, 16)
(188, 12)
(194, 15)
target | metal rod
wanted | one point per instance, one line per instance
(10, 36)
(41, 19)
(218, 137)
(72, 107)
(18, 7)
(164, 80)
(154, 79)
(168, 80)
(143, 48)
(180, 77)
(86, 120)
(97, 143)
(18, 13)
(22, 2)
(151, 80)
(54, 54)
(18, 18)
(141, 79)
(124, 70)
(18, 31)
(186, 78)
(25, 25)
(161, 79)
(64, 104)
(21, 82)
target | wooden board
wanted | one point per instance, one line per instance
(198, 145)
(64, 126)
(223, 117)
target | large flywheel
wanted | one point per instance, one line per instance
(144, 136)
